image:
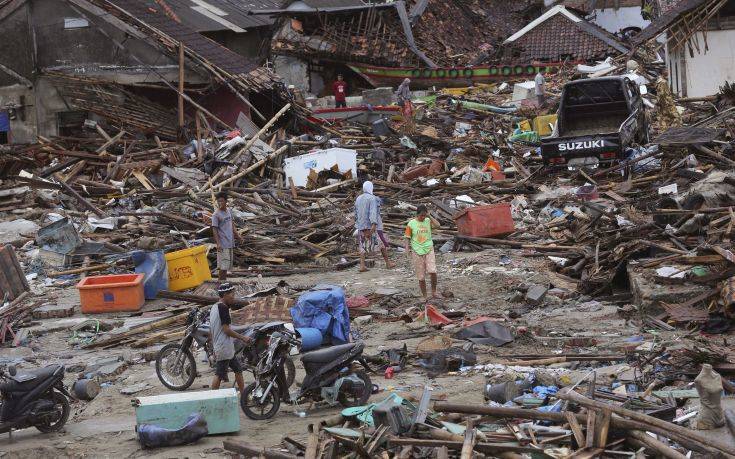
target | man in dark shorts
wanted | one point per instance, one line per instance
(223, 338)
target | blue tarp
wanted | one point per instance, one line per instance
(323, 307)
(4, 121)
(153, 265)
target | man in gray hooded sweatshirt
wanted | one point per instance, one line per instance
(369, 225)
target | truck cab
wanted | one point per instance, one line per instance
(598, 119)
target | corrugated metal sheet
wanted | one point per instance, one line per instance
(333, 3)
(149, 12)
(213, 15)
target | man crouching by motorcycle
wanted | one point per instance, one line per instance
(223, 338)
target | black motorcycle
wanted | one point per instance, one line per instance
(35, 398)
(175, 363)
(331, 375)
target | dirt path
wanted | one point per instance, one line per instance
(479, 285)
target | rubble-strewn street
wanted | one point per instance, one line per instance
(330, 229)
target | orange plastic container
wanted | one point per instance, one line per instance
(118, 292)
(485, 221)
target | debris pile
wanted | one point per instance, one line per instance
(582, 420)
(646, 238)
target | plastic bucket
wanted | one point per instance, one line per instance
(311, 338)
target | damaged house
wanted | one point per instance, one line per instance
(559, 35)
(128, 62)
(433, 42)
(696, 39)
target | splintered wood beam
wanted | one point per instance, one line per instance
(182, 121)
(79, 198)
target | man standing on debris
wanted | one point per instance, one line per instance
(223, 338)
(225, 233)
(369, 225)
(540, 89)
(668, 115)
(418, 233)
(340, 91)
(403, 97)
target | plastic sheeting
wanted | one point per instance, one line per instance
(152, 436)
(324, 308)
(488, 333)
(153, 265)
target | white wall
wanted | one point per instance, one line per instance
(706, 72)
(615, 20)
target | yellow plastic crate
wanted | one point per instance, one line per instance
(543, 125)
(525, 126)
(188, 268)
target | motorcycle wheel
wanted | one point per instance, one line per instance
(251, 406)
(290, 369)
(354, 398)
(174, 369)
(60, 416)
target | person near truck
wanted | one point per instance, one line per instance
(369, 225)
(419, 244)
(540, 89)
(339, 88)
(223, 338)
(225, 233)
(668, 115)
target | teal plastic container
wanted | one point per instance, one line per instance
(220, 408)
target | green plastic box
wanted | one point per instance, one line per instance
(220, 408)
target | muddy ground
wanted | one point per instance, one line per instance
(478, 283)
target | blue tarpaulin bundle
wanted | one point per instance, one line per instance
(323, 307)
(153, 265)
(151, 436)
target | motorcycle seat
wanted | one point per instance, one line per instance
(328, 354)
(29, 379)
(237, 328)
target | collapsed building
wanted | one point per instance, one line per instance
(125, 61)
(382, 43)
(453, 43)
(693, 35)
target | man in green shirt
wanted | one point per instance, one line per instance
(418, 234)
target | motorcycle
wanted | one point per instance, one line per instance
(36, 398)
(175, 363)
(331, 376)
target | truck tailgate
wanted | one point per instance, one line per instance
(559, 150)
